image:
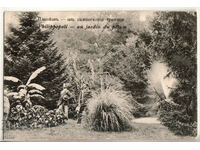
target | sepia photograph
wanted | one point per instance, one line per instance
(100, 76)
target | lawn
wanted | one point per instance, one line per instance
(75, 132)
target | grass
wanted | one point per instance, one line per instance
(108, 110)
(75, 132)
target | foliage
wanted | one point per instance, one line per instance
(108, 111)
(128, 58)
(26, 48)
(174, 39)
(130, 64)
(117, 59)
(35, 117)
(139, 110)
(176, 119)
(114, 53)
(26, 91)
(79, 85)
(86, 78)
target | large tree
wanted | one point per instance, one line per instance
(28, 47)
(174, 39)
(129, 59)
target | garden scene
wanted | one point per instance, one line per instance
(129, 79)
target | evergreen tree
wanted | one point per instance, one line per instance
(27, 48)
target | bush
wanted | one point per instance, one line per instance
(34, 117)
(176, 119)
(139, 110)
(108, 111)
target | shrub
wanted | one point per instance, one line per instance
(108, 111)
(138, 110)
(176, 119)
(34, 117)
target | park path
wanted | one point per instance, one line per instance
(147, 120)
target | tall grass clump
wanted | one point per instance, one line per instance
(108, 110)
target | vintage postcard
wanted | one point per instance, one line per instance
(100, 75)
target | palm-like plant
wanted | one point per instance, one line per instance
(28, 90)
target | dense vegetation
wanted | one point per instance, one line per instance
(107, 71)
(28, 48)
(108, 110)
(35, 117)
(174, 39)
